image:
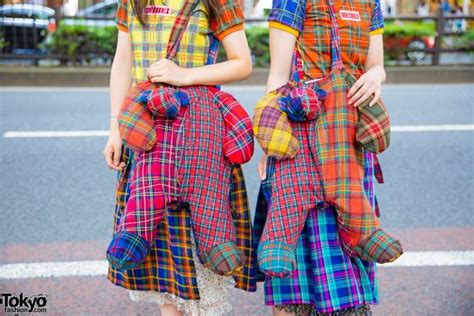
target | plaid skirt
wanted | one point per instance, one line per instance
(325, 277)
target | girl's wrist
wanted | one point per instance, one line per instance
(189, 76)
(379, 72)
(114, 123)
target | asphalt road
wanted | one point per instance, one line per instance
(56, 197)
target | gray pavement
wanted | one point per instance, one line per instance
(56, 197)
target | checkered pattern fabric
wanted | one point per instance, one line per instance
(302, 103)
(169, 267)
(238, 142)
(225, 259)
(373, 128)
(327, 150)
(154, 186)
(379, 245)
(325, 277)
(135, 121)
(272, 129)
(166, 101)
(127, 250)
(150, 44)
(340, 163)
(205, 172)
(312, 21)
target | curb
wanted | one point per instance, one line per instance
(99, 77)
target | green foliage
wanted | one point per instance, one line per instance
(257, 37)
(79, 42)
(3, 43)
(467, 39)
(404, 29)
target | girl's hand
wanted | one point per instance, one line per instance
(368, 84)
(113, 150)
(262, 167)
(166, 71)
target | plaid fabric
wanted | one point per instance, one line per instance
(135, 121)
(136, 124)
(301, 103)
(311, 19)
(272, 129)
(149, 44)
(380, 245)
(327, 150)
(127, 250)
(277, 260)
(238, 141)
(340, 161)
(169, 267)
(246, 278)
(373, 129)
(325, 277)
(166, 101)
(225, 254)
(204, 171)
(155, 182)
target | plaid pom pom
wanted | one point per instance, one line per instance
(166, 101)
(302, 103)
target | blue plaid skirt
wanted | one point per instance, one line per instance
(325, 277)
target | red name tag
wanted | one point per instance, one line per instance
(349, 15)
(157, 10)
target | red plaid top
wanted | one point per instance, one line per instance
(310, 21)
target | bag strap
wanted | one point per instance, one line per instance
(179, 27)
(297, 71)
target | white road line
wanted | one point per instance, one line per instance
(104, 133)
(416, 259)
(433, 259)
(49, 134)
(433, 128)
(53, 269)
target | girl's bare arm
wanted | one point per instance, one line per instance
(370, 83)
(238, 66)
(281, 53)
(120, 82)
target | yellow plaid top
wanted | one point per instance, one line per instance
(149, 43)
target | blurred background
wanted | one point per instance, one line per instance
(57, 195)
(83, 33)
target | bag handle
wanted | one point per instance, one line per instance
(179, 27)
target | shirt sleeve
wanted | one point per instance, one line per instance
(228, 19)
(377, 23)
(121, 16)
(288, 15)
